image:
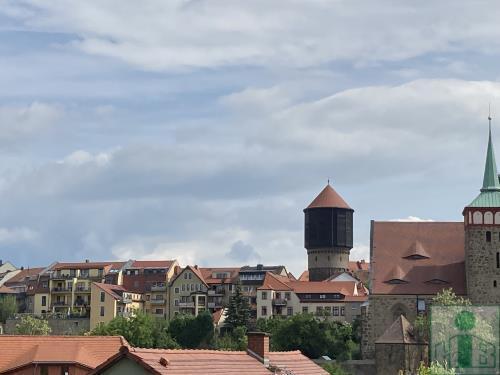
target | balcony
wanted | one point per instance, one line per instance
(216, 292)
(59, 289)
(126, 300)
(82, 289)
(157, 301)
(80, 303)
(60, 304)
(214, 305)
(59, 276)
(279, 302)
(158, 288)
(186, 304)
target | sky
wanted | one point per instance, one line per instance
(199, 130)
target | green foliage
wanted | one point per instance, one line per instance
(448, 298)
(140, 330)
(312, 336)
(334, 369)
(8, 307)
(238, 312)
(235, 340)
(32, 326)
(435, 369)
(192, 332)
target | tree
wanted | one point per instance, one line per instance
(140, 330)
(234, 340)
(8, 307)
(192, 332)
(238, 313)
(334, 369)
(435, 369)
(32, 326)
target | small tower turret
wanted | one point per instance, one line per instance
(328, 234)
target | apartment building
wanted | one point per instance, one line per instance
(336, 300)
(19, 283)
(151, 278)
(188, 292)
(251, 278)
(221, 283)
(109, 301)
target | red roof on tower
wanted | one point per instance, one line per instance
(329, 198)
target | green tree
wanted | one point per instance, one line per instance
(234, 340)
(435, 369)
(32, 326)
(238, 312)
(8, 307)
(192, 332)
(335, 369)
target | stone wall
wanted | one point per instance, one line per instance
(391, 358)
(76, 326)
(323, 263)
(482, 273)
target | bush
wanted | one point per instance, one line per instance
(32, 326)
(335, 369)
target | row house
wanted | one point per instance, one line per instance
(338, 300)
(221, 285)
(151, 279)
(109, 301)
(188, 292)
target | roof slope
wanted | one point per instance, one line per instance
(208, 274)
(152, 264)
(329, 198)
(88, 351)
(294, 363)
(400, 332)
(23, 274)
(443, 243)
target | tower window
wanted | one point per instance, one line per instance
(498, 259)
(488, 236)
(494, 283)
(316, 258)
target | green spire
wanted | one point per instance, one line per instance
(490, 180)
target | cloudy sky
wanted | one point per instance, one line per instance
(199, 130)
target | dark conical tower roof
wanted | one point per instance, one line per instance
(329, 198)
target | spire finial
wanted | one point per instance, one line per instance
(490, 180)
(489, 115)
(328, 181)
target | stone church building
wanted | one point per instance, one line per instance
(412, 261)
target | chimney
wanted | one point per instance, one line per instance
(258, 346)
(87, 261)
(260, 267)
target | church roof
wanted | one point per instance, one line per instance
(444, 245)
(329, 198)
(490, 192)
(400, 332)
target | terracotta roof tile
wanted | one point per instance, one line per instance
(88, 351)
(114, 291)
(23, 274)
(208, 272)
(328, 198)
(295, 363)
(304, 276)
(152, 264)
(444, 244)
(81, 265)
(274, 282)
(194, 362)
(6, 290)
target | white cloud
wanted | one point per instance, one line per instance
(185, 34)
(19, 123)
(413, 218)
(360, 251)
(81, 157)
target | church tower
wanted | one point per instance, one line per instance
(328, 234)
(482, 236)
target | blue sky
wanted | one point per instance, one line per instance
(199, 130)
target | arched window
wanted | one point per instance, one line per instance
(488, 217)
(497, 218)
(478, 217)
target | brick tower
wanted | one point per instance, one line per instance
(482, 237)
(328, 234)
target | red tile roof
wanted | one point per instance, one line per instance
(274, 282)
(113, 290)
(359, 265)
(328, 198)
(6, 290)
(81, 265)
(443, 243)
(152, 264)
(295, 363)
(177, 362)
(304, 276)
(87, 351)
(208, 272)
(23, 274)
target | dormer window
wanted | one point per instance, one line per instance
(396, 281)
(437, 281)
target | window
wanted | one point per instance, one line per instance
(44, 370)
(159, 311)
(322, 296)
(102, 310)
(176, 290)
(185, 276)
(64, 370)
(287, 296)
(319, 310)
(494, 283)
(278, 295)
(264, 311)
(44, 300)
(305, 309)
(289, 311)
(102, 296)
(488, 236)
(183, 287)
(342, 311)
(328, 310)
(176, 302)
(420, 305)
(336, 311)
(190, 275)
(498, 259)
(264, 295)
